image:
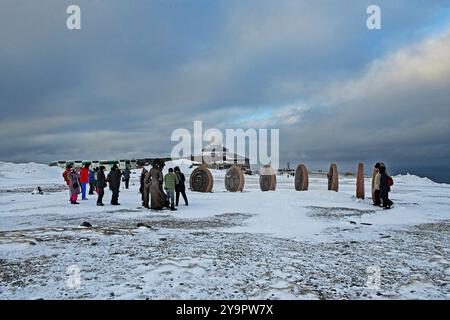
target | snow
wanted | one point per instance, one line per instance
(411, 179)
(28, 174)
(281, 244)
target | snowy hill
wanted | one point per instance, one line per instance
(28, 175)
(413, 180)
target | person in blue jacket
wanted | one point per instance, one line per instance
(91, 181)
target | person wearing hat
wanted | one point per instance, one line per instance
(114, 184)
(144, 188)
(154, 181)
(84, 180)
(385, 188)
(126, 177)
(100, 185)
(376, 186)
(180, 188)
(92, 181)
(66, 177)
(74, 186)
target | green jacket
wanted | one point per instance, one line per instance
(170, 180)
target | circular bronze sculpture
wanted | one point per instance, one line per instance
(201, 180)
(267, 178)
(301, 178)
(333, 178)
(234, 179)
(360, 192)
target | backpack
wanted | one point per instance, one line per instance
(65, 173)
(390, 181)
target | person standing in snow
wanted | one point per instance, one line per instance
(154, 182)
(84, 180)
(66, 176)
(144, 189)
(126, 177)
(91, 181)
(114, 184)
(74, 186)
(101, 185)
(180, 187)
(170, 181)
(385, 188)
(376, 186)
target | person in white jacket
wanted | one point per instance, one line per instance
(377, 199)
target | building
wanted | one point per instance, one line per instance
(219, 157)
(130, 163)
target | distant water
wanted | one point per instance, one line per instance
(441, 175)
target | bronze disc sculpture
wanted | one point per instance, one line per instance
(333, 178)
(267, 178)
(234, 179)
(360, 192)
(301, 178)
(201, 179)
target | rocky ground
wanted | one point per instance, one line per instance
(172, 258)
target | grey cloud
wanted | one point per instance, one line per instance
(139, 69)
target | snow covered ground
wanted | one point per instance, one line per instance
(283, 244)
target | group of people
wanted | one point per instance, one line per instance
(162, 191)
(159, 192)
(77, 179)
(382, 187)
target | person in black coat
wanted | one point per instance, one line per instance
(114, 184)
(385, 188)
(180, 187)
(100, 185)
(144, 188)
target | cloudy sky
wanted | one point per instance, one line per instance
(139, 69)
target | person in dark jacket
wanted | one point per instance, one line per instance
(385, 188)
(126, 177)
(91, 181)
(144, 188)
(114, 184)
(101, 185)
(154, 181)
(180, 187)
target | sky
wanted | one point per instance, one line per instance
(138, 70)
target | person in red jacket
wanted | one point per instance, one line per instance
(84, 180)
(66, 176)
